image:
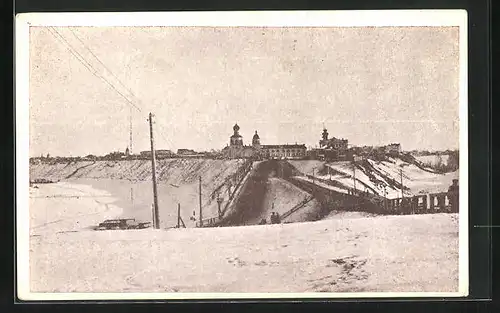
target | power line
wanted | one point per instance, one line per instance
(89, 66)
(119, 81)
(99, 60)
(161, 134)
(80, 58)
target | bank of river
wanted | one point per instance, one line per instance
(136, 199)
(69, 207)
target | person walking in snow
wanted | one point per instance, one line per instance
(278, 218)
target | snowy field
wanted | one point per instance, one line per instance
(65, 207)
(416, 253)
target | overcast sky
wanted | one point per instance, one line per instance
(370, 85)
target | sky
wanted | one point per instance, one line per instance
(370, 85)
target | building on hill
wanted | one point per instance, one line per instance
(236, 148)
(393, 149)
(285, 151)
(114, 155)
(189, 153)
(333, 149)
(158, 154)
(185, 152)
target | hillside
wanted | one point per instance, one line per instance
(377, 177)
(129, 181)
(172, 171)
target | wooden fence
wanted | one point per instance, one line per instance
(429, 203)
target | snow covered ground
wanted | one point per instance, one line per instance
(282, 196)
(386, 173)
(434, 160)
(129, 181)
(363, 254)
(65, 207)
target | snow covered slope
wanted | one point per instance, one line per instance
(381, 178)
(129, 181)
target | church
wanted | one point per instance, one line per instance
(236, 149)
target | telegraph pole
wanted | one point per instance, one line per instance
(156, 220)
(354, 176)
(130, 139)
(178, 215)
(385, 197)
(402, 186)
(219, 202)
(201, 213)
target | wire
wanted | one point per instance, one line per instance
(99, 60)
(93, 71)
(119, 81)
(161, 133)
(89, 66)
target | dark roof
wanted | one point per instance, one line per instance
(185, 151)
(295, 146)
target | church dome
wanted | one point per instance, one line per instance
(256, 136)
(236, 127)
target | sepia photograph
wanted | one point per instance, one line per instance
(232, 155)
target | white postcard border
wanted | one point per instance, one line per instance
(386, 18)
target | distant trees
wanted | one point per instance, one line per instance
(454, 160)
(452, 164)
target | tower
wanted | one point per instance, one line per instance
(256, 141)
(130, 132)
(236, 139)
(324, 136)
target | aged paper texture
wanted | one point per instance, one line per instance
(219, 155)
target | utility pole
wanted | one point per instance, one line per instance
(314, 181)
(402, 186)
(201, 213)
(153, 214)
(131, 142)
(156, 220)
(178, 215)
(219, 202)
(354, 176)
(385, 197)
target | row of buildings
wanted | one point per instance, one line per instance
(330, 149)
(236, 148)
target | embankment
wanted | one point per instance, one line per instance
(130, 182)
(172, 171)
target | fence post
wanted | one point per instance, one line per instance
(454, 197)
(441, 203)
